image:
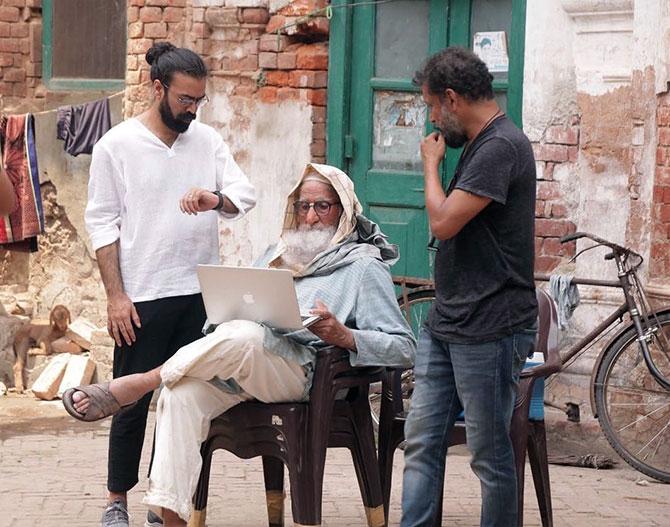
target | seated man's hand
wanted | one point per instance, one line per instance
(198, 200)
(331, 330)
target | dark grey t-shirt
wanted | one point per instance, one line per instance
(484, 275)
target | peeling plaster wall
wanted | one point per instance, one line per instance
(549, 94)
(63, 271)
(271, 143)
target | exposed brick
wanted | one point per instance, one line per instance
(539, 208)
(662, 155)
(318, 131)
(34, 69)
(664, 136)
(14, 75)
(198, 14)
(308, 79)
(273, 43)
(316, 97)
(200, 29)
(663, 116)
(37, 4)
(6, 88)
(276, 78)
(138, 3)
(318, 114)
(139, 45)
(19, 30)
(545, 264)
(665, 213)
(317, 148)
(24, 46)
(6, 59)
(286, 61)
(135, 29)
(35, 39)
(248, 63)
(221, 16)
(553, 247)
(155, 30)
(275, 22)
(151, 14)
(133, 14)
(5, 29)
(556, 153)
(267, 60)
(313, 56)
(267, 94)
(9, 14)
(244, 90)
(558, 210)
(159, 3)
(145, 75)
(662, 174)
(175, 14)
(255, 15)
(563, 135)
(9, 45)
(548, 190)
(19, 89)
(553, 228)
(287, 94)
(15, 3)
(133, 76)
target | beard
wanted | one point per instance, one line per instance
(304, 243)
(452, 131)
(178, 123)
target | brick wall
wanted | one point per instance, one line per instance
(243, 42)
(559, 145)
(20, 49)
(659, 266)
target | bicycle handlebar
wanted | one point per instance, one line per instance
(600, 241)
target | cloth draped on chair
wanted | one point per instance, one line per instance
(19, 230)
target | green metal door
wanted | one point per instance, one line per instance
(376, 117)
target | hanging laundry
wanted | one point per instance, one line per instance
(19, 230)
(81, 126)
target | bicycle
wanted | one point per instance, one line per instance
(630, 380)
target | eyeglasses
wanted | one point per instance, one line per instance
(301, 208)
(187, 101)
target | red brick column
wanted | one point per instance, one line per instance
(21, 49)
(559, 145)
(659, 266)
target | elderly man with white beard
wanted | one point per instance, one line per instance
(340, 261)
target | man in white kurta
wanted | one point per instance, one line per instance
(159, 183)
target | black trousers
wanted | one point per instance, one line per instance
(167, 325)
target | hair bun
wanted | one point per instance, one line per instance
(157, 50)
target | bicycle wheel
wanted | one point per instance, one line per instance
(633, 409)
(416, 311)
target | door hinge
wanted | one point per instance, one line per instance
(349, 146)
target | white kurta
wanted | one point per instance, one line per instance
(136, 182)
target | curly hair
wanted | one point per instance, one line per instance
(459, 69)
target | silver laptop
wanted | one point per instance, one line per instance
(251, 293)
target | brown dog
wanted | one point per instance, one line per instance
(37, 335)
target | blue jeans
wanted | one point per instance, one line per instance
(481, 381)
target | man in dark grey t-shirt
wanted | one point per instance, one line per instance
(481, 327)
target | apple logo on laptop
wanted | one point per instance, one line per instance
(248, 298)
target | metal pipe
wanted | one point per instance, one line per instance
(582, 281)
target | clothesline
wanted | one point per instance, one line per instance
(43, 112)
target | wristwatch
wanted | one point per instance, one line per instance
(219, 205)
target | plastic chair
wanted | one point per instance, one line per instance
(527, 431)
(297, 435)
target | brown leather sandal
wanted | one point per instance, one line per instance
(101, 404)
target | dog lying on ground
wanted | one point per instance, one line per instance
(38, 336)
